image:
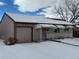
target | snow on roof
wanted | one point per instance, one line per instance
(35, 19)
(52, 26)
(60, 26)
(69, 26)
(45, 26)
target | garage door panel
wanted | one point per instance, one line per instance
(23, 34)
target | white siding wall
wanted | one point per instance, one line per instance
(50, 34)
(62, 33)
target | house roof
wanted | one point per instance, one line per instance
(35, 19)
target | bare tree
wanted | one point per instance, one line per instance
(69, 11)
(62, 12)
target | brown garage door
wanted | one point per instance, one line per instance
(24, 34)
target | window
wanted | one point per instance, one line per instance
(57, 30)
(67, 29)
(47, 29)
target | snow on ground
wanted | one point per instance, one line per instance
(43, 50)
(74, 41)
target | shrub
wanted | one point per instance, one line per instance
(10, 41)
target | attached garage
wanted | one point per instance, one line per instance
(24, 34)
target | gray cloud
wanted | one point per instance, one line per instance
(33, 5)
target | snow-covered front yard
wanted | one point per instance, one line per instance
(43, 50)
(74, 41)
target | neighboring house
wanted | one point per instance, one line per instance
(33, 28)
(76, 28)
(76, 31)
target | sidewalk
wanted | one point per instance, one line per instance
(68, 41)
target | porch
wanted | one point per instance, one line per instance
(48, 32)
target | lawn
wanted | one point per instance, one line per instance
(42, 50)
(74, 41)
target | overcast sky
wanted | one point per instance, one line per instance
(27, 7)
